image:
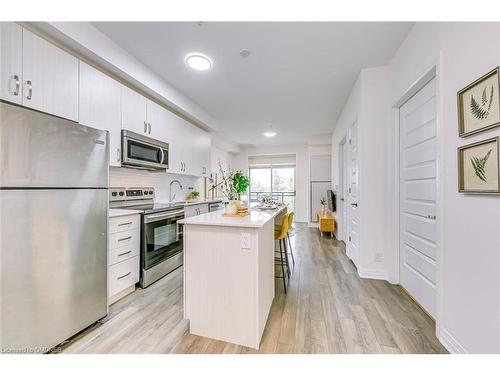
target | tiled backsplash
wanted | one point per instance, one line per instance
(128, 177)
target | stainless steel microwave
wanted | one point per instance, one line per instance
(139, 151)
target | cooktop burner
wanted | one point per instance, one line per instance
(140, 199)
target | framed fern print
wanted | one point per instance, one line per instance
(479, 105)
(479, 167)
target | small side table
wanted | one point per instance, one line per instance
(326, 223)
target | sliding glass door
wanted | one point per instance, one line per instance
(276, 181)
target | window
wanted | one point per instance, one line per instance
(277, 181)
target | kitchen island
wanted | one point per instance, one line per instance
(229, 275)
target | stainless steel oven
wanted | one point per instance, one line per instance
(161, 233)
(139, 151)
(162, 243)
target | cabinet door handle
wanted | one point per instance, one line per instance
(354, 204)
(432, 217)
(30, 90)
(17, 85)
(124, 238)
(145, 127)
(125, 253)
(149, 126)
(127, 223)
(122, 276)
(118, 157)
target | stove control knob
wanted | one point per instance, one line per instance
(113, 194)
(151, 192)
(120, 193)
(145, 192)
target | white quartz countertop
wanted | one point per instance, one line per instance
(256, 219)
(115, 212)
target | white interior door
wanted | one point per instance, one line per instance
(418, 189)
(353, 195)
(345, 189)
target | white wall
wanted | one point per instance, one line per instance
(470, 250)
(367, 104)
(129, 177)
(240, 162)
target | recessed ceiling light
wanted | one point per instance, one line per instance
(269, 134)
(245, 52)
(197, 61)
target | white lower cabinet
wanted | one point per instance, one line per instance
(195, 209)
(122, 276)
(123, 255)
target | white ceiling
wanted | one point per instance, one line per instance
(297, 78)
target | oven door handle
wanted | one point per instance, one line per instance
(170, 215)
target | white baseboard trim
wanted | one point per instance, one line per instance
(313, 225)
(367, 273)
(450, 343)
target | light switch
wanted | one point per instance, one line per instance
(245, 240)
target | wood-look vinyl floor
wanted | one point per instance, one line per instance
(328, 309)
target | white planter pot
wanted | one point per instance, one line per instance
(231, 208)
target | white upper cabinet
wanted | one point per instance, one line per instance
(198, 157)
(11, 62)
(158, 121)
(134, 111)
(190, 150)
(100, 107)
(50, 78)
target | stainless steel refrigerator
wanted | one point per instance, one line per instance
(53, 228)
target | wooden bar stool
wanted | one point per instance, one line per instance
(281, 236)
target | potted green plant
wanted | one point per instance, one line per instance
(195, 194)
(240, 183)
(232, 185)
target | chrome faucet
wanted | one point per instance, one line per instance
(170, 196)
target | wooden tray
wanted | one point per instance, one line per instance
(243, 214)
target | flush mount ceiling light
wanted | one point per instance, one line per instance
(269, 133)
(197, 61)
